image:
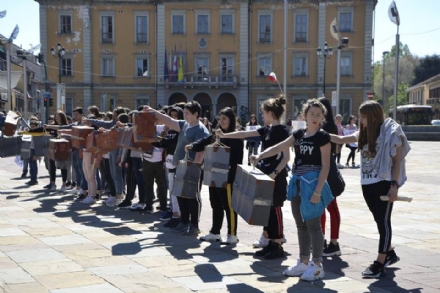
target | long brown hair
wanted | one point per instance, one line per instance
(373, 112)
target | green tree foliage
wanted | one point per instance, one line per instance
(428, 67)
(402, 97)
(407, 63)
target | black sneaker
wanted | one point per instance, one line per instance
(48, 186)
(166, 215)
(265, 249)
(81, 197)
(148, 209)
(24, 175)
(30, 183)
(277, 251)
(73, 185)
(172, 223)
(125, 204)
(68, 185)
(332, 250)
(391, 258)
(375, 270)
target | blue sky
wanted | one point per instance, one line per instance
(417, 19)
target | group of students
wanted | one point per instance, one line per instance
(381, 142)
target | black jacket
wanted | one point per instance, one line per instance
(235, 158)
(169, 142)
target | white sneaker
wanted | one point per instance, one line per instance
(111, 201)
(211, 237)
(231, 239)
(89, 200)
(53, 188)
(79, 192)
(118, 201)
(137, 207)
(313, 272)
(262, 242)
(296, 271)
(63, 189)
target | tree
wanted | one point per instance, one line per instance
(402, 97)
(428, 67)
(407, 63)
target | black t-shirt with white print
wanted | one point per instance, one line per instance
(308, 151)
(270, 136)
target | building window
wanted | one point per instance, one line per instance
(265, 28)
(261, 99)
(264, 66)
(300, 65)
(178, 23)
(142, 29)
(141, 100)
(65, 24)
(69, 105)
(202, 66)
(107, 102)
(107, 27)
(142, 67)
(66, 67)
(346, 21)
(227, 68)
(108, 67)
(301, 21)
(227, 24)
(346, 65)
(298, 102)
(203, 24)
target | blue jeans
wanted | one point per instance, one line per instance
(138, 173)
(25, 165)
(77, 164)
(116, 171)
(33, 166)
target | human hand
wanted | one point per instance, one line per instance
(120, 124)
(392, 194)
(272, 175)
(316, 197)
(254, 159)
(219, 133)
(101, 129)
(188, 147)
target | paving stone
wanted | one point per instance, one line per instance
(71, 239)
(47, 267)
(33, 222)
(44, 232)
(110, 270)
(33, 287)
(18, 240)
(7, 263)
(11, 232)
(15, 276)
(101, 288)
(135, 283)
(69, 280)
(104, 261)
(206, 282)
(34, 255)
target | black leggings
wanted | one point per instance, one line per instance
(381, 211)
(352, 154)
(190, 207)
(221, 203)
(53, 170)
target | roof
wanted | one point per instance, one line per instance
(420, 84)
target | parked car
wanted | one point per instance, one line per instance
(435, 122)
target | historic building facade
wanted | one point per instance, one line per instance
(129, 53)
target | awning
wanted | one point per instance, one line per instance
(15, 78)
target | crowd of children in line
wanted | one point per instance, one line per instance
(381, 143)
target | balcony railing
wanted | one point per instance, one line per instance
(433, 101)
(206, 80)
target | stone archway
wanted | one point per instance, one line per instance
(177, 98)
(227, 100)
(205, 101)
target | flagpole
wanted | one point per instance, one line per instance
(396, 74)
(285, 57)
(8, 64)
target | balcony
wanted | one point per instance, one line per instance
(209, 81)
(433, 101)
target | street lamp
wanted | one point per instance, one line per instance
(383, 78)
(60, 52)
(324, 53)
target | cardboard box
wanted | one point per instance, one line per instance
(252, 195)
(79, 136)
(107, 141)
(26, 147)
(59, 149)
(10, 146)
(216, 166)
(144, 127)
(127, 141)
(186, 181)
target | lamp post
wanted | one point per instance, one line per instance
(59, 53)
(325, 53)
(383, 78)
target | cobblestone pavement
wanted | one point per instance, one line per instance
(50, 243)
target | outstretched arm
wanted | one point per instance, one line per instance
(343, 139)
(278, 148)
(237, 134)
(165, 119)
